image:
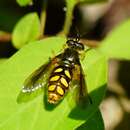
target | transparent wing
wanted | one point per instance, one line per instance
(82, 97)
(34, 84)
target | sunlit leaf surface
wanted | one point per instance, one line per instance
(36, 115)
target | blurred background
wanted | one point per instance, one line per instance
(94, 22)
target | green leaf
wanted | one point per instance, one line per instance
(2, 60)
(117, 43)
(36, 114)
(26, 30)
(94, 123)
(93, 1)
(24, 2)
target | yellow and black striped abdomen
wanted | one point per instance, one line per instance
(58, 84)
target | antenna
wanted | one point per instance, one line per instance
(76, 33)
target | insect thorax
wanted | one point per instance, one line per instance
(70, 56)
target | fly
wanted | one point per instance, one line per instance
(59, 74)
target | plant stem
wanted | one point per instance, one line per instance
(69, 16)
(43, 17)
(90, 43)
(5, 36)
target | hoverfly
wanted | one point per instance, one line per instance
(60, 74)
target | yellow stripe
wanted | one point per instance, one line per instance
(64, 82)
(60, 90)
(67, 73)
(58, 70)
(51, 87)
(55, 78)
